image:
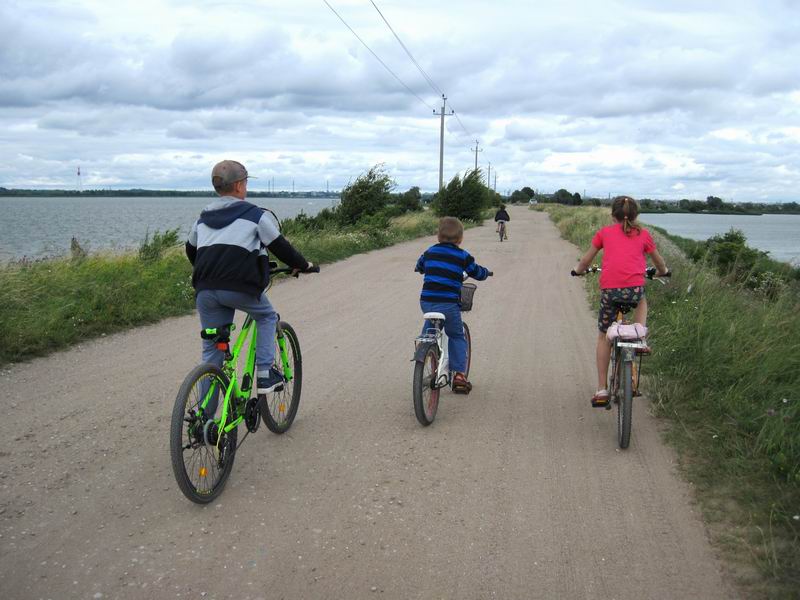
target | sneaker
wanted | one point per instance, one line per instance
(600, 399)
(271, 382)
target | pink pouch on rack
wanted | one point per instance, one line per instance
(634, 331)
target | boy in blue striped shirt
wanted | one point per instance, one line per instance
(444, 265)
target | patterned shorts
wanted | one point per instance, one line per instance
(632, 295)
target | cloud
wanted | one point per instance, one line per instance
(638, 97)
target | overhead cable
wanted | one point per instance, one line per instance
(430, 81)
(385, 66)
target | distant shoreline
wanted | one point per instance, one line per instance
(134, 193)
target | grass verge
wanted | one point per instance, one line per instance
(54, 303)
(726, 373)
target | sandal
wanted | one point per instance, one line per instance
(461, 385)
(600, 399)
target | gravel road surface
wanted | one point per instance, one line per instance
(516, 491)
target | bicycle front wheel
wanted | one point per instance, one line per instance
(279, 408)
(202, 457)
(424, 390)
(468, 337)
(625, 405)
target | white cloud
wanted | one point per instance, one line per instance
(650, 98)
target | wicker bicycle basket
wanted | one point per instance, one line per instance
(467, 292)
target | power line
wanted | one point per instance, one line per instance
(411, 56)
(419, 67)
(385, 66)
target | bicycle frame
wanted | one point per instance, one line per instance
(234, 390)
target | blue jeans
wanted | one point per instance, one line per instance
(454, 328)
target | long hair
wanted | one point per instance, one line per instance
(625, 210)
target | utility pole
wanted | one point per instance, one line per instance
(442, 114)
(489, 175)
(495, 187)
(292, 186)
(476, 155)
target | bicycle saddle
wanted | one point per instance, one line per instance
(624, 307)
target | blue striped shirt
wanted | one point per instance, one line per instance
(444, 265)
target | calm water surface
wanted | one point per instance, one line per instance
(777, 234)
(37, 227)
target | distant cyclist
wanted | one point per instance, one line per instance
(501, 216)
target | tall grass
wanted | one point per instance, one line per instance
(50, 304)
(726, 371)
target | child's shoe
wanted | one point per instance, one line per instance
(272, 381)
(460, 384)
(600, 399)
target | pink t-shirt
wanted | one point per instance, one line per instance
(624, 260)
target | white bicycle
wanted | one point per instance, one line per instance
(432, 360)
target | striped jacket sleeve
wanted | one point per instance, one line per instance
(473, 269)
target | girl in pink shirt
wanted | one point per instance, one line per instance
(625, 245)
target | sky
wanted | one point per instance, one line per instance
(661, 99)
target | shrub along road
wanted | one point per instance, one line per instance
(516, 491)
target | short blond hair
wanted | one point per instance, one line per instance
(451, 230)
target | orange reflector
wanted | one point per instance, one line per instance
(281, 407)
(222, 346)
(203, 471)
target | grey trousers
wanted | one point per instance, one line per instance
(216, 308)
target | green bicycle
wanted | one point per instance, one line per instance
(203, 447)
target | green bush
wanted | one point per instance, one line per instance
(465, 198)
(153, 249)
(367, 195)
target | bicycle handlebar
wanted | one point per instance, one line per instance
(488, 273)
(650, 273)
(290, 271)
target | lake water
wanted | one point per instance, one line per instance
(37, 227)
(777, 234)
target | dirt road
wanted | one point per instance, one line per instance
(516, 491)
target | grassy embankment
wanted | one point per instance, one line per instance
(726, 373)
(50, 304)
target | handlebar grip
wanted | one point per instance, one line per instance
(314, 269)
(574, 273)
(490, 273)
(667, 274)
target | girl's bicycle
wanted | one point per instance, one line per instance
(628, 348)
(203, 446)
(432, 361)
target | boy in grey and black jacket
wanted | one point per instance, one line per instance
(228, 247)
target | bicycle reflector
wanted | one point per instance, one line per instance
(222, 346)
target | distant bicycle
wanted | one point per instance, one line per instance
(501, 229)
(432, 361)
(202, 446)
(628, 346)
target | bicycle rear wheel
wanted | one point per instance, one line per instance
(424, 392)
(201, 469)
(625, 406)
(469, 349)
(279, 408)
(502, 231)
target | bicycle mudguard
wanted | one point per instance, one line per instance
(422, 350)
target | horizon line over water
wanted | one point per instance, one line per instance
(40, 227)
(774, 233)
